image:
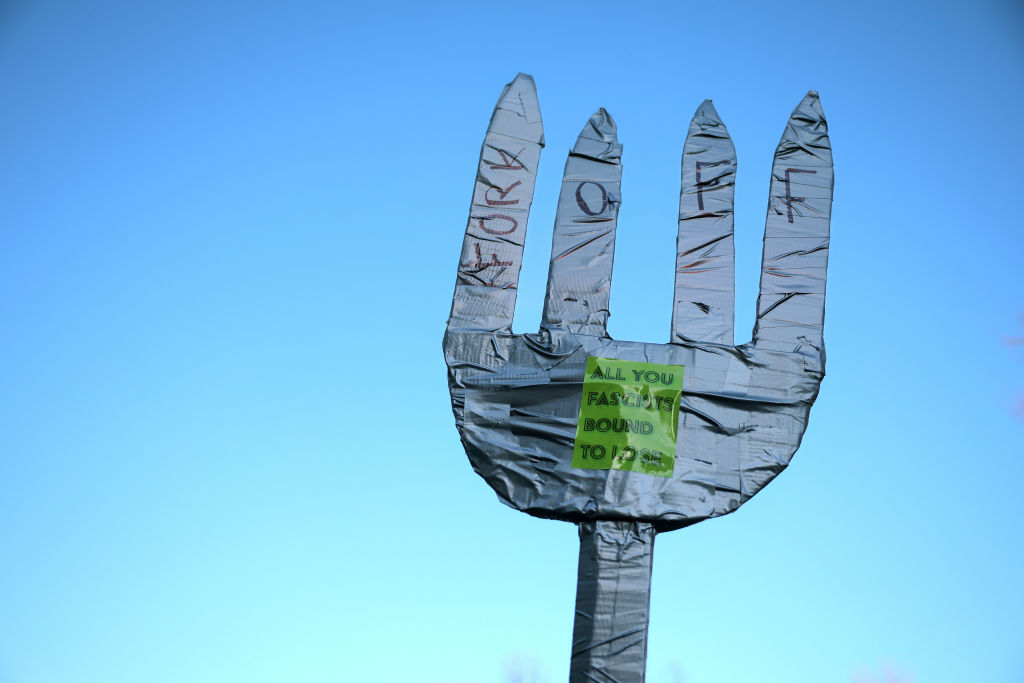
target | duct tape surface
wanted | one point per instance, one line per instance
(570, 424)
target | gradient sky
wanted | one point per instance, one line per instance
(228, 240)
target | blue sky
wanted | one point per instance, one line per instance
(228, 240)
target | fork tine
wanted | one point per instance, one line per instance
(492, 250)
(791, 303)
(583, 244)
(702, 308)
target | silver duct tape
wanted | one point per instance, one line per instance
(538, 422)
(517, 398)
(613, 589)
(791, 303)
(705, 258)
(583, 243)
(492, 251)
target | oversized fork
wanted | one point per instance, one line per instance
(628, 439)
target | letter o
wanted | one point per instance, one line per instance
(582, 203)
(493, 216)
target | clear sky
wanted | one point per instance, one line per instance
(228, 240)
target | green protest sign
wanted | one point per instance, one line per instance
(628, 417)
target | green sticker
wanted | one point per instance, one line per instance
(628, 417)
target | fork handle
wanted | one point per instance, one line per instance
(613, 598)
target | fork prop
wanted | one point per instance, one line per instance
(627, 439)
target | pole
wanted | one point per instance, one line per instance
(613, 598)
